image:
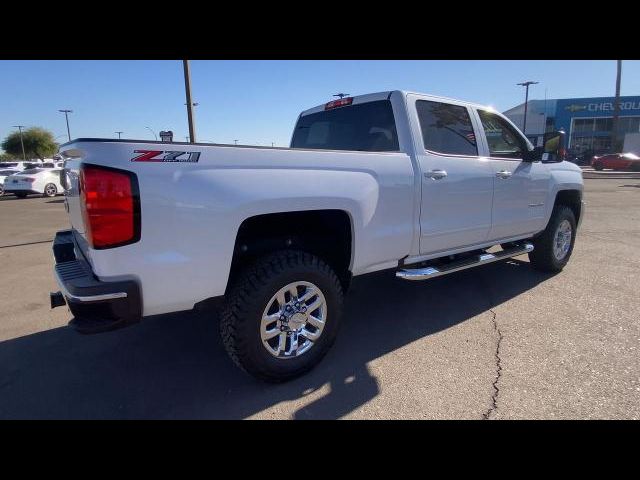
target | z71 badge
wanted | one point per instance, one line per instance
(165, 156)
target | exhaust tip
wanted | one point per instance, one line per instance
(57, 299)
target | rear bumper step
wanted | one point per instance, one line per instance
(426, 273)
(97, 305)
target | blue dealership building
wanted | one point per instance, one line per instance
(587, 121)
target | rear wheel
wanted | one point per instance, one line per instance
(50, 190)
(553, 248)
(282, 315)
(1, 190)
(598, 166)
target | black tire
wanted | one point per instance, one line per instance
(1, 190)
(21, 195)
(598, 166)
(248, 297)
(52, 189)
(542, 257)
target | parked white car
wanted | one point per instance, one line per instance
(20, 165)
(4, 173)
(44, 181)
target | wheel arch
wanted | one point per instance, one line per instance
(328, 233)
(571, 198)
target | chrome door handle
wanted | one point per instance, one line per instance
(503, 174)
(435, 174)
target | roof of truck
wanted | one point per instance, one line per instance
(372, 97)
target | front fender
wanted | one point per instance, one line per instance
(563, 176)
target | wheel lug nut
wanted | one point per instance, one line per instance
(288, 309)
(283, 318)
(297, 305)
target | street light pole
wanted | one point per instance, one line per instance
(66, 116)
(187, 87)
(526, 103)
(20, 127)
(119, 135)
(154, 133)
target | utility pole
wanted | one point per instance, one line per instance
(66, 116)
(526, 102)
(236, 141)
(119, 135)
(20, 127)
(616, 109)
(187, 87)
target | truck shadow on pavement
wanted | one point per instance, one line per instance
(174, 366)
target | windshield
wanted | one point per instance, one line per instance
(30, 171)
(368, 127)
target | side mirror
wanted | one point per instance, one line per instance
(554, 146)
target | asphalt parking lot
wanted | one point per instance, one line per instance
(498, 342)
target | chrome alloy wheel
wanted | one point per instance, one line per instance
(293, 320)
(562, 240)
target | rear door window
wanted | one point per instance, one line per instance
(368, 127)
(446, 128)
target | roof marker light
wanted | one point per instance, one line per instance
(339, 103)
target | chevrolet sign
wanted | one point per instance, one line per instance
(602, 107)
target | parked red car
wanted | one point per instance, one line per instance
(617, 161)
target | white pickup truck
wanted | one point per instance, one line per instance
(420, 184)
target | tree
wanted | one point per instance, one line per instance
(7, 157)
(38, 143)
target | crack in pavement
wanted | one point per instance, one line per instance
(26, 243)
(496, 390)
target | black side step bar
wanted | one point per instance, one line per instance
(432, 272)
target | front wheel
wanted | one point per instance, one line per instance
(50, 190)
(598, 166)
(282, 315)
(553, 248)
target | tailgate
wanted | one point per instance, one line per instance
(70, 182)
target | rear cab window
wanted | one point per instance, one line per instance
(367, 127)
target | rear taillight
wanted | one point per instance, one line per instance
(29, 180)
(110, 206)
